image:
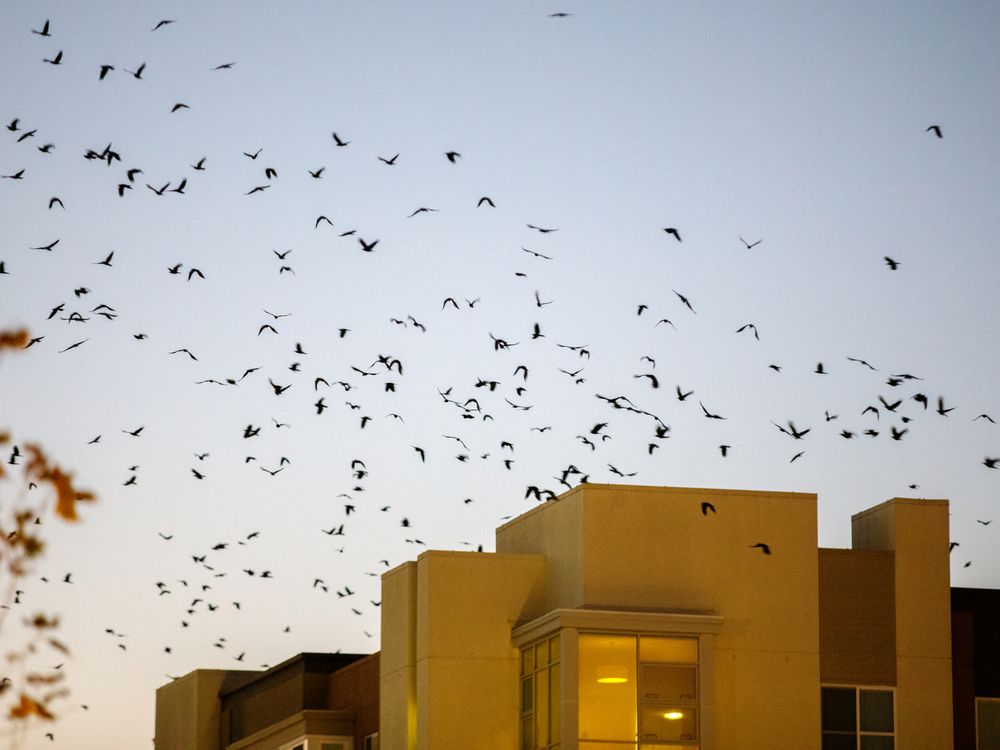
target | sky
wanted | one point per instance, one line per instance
(801, 132)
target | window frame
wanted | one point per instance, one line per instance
(570, 623)
(858, 732)
(550, 668)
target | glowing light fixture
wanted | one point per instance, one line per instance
(612, 674)
(673, 715)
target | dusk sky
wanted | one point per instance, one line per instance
(801, 131)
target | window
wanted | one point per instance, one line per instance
(987, 723)
(858, 718)
(638, 690)
(540, 690)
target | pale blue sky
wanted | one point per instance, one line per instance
(801, 126)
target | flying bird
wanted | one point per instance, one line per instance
(936, 129)
(673, 232)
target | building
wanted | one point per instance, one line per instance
(643, 618)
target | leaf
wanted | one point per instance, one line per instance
(29, 707)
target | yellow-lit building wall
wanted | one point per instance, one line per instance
(606, 558)
(916, 531)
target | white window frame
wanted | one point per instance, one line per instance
(858, 732)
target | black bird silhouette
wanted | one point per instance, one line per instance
(224, 66)
(543, 230)
(73, 346)
(179, 105)
(752, 327)
(683, 299)
(163, 23)
(422, 209)
(941, 410)
(317, 174)
(536, 254)
(338, 141)
(278, 389)
(653, 381)
(750, 245)
(893, 264)
(672, 231)
(43, 32)
(765, 548)
(709, 414)
(705, 507)
(193, 272)
(16, 176)
(46, 247)
(57, 60)
(367, 246)
(137, 73)
(451, 155)
(681, 395)
(934, 129)
(390, 162)
(53, 201)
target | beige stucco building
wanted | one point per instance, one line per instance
(656, 618)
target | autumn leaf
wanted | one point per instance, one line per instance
(14, 339)
(29, 707)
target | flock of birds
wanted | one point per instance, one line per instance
(482, 399)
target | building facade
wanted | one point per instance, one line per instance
(644, 618)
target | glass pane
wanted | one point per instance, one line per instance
(666, 722)
(673, 650)
(527, 734)
(660, 683)
(988, 724)
(607, 690)
(527, 693)
(554, 703)
(832, 741)
(876, 710)
(839, 709)
(876, 742)
(527, 660)
(554, 648)
(541, 708)
(542, 654)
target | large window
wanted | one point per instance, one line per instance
(987, 723)
(858, 718)
(540, 691)
(638, 691)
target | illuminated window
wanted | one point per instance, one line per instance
(540, 689)
(638, 691)
(988, 723)
(858, 718)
